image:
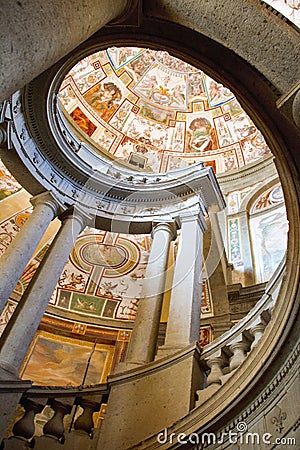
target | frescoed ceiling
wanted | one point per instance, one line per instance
(289, 8)
(157, 113)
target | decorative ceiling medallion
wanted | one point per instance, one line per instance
(104, 255)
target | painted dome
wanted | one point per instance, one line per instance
(155, 113)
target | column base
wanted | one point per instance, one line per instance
(168, 350)
(128, 365)
(150, 397)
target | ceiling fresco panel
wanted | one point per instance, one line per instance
(156, 113)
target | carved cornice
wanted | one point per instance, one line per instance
(107, 328)
(258, 171)
(64, 165)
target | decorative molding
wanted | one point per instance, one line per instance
(102, 189)
(250, 170)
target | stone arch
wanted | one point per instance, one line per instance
(252, 30)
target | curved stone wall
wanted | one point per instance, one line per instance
(249, 29)
(267, 376)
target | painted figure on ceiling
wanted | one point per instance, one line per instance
(201, 136)
(105, 99)
(195, 85)
(8, 185)
(138, 66)
(254, 147)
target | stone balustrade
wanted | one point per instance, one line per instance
(71, 428)
(71, 423)
(225, 354)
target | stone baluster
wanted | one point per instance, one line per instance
(24, 429)
(83, 431)
(55, 426)
(54, 429)
(239, 347)
(18, 254)
(257, 329)
(143, 340)
(216, 362)
(85, 421)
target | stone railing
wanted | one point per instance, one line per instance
(50, 418)
(70, 425)
(225, 354)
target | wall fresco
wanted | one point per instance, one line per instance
(103, 276)
(205, 336)
(235, 244)
(11, 226)
(267, 214)
(206, 300)
(8, 185)
(268, 199)
(6, 315)
(61, 361)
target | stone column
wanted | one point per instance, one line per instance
(143, 340)
(24, 323)
(28, 26)
(185, 305)
(18, 254)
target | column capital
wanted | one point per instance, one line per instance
(45, 198)
(193, 216)
(76, 213)
(166, 225)
(130, 8)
